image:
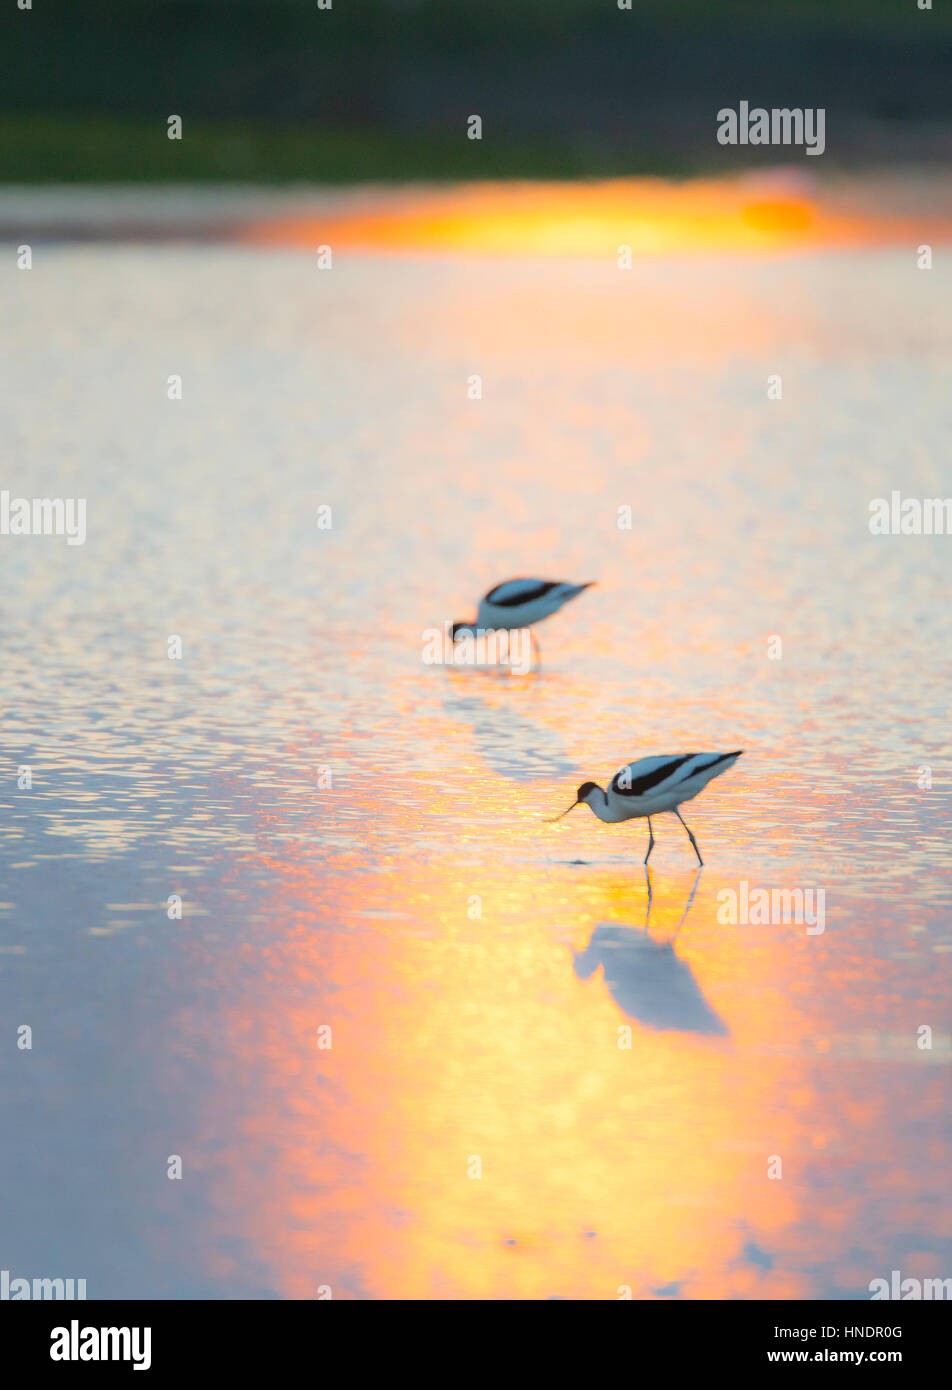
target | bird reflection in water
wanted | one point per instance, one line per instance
(513, 746)
(646, 978)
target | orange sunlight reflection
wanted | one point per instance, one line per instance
(651, 216)
(587, 1184)
(609, 1160)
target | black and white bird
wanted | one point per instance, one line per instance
(519, 603)
(650, 786)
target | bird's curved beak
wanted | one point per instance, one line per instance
(565, 812)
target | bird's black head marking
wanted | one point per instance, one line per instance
(585, 788)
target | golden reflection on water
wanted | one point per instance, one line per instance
(754, 214)
(496, 1036)
(608, 1160)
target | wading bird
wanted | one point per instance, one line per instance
(519, 603)
(652, 785)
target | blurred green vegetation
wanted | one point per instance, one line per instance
(278, 90)
(78, 149)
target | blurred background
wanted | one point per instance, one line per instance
(132, 265)
(278, 90)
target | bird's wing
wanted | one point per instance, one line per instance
(664, 773)
(702, 767)
(650, 774)
(518, 591)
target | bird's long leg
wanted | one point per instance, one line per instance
(537, 649)
(648, 908)
(690, 836)
(651, 840)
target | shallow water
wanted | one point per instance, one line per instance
(477, 968)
